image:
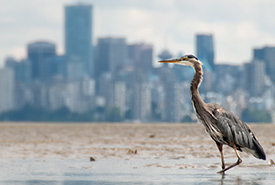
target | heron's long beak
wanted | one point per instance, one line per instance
(170, 61)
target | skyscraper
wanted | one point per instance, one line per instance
(254, 75)
(78, 36)
(39, 55)
(170, 93)
(111, 55)
(266, 55)
(141, 104)
(141, 56)
(7, 89)
(205, 50)
(117, 97)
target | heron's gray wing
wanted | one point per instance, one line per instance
(237, 132)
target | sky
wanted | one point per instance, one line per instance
(238, 26)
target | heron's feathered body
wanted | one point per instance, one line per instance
(235, 131)
(222, 125)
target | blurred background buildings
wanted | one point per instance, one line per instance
(114, 80)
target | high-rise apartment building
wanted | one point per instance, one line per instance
(142, 101)
(205, 50)
(117, 96)
(7, 89)
(266, 55)
(254, 75)
(40, 54)
(141, 56)
(111, 55)
(78, 36)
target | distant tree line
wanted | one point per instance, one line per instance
(256, 116)
(100, 114)
(29, 113)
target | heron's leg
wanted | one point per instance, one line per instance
(219, 145)
(239, 161)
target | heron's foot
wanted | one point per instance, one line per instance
(222, 172)
(223, 168)
(231, 166)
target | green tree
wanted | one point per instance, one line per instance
(187, 119)
(113, 114)
(29, 113)
(253, 115)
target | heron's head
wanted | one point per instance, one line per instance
(186, 60)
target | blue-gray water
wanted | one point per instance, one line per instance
(132, 171)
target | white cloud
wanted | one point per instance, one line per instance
(237, 25)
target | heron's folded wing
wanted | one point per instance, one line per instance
(234, 129)
(237, 132)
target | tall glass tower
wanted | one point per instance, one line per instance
(111, 55)
(78, 36)
(205, 50)
(39, 54)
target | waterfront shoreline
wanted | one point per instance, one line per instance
(74, 140)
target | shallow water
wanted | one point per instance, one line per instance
(125, 154)
(132, 171)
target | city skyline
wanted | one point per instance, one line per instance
(126, 87)
(238, 27)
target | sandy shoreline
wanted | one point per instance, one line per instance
(47, 153)
(36, 140)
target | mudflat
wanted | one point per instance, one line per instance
(63, 153)
(78, 140)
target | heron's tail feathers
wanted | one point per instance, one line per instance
(259, 151)
(256, 149)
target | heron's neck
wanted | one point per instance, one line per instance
(204, 115)
(195, 83)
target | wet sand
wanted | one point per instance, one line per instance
(123, 141)
(174, 149)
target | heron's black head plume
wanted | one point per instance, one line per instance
(190, 56)
(186, 60)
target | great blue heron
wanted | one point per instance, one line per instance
(224, 127)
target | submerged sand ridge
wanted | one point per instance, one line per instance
(123, 141)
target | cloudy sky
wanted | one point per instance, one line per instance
(237, 25)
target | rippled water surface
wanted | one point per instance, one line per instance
(132, 171)
(39, 154)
